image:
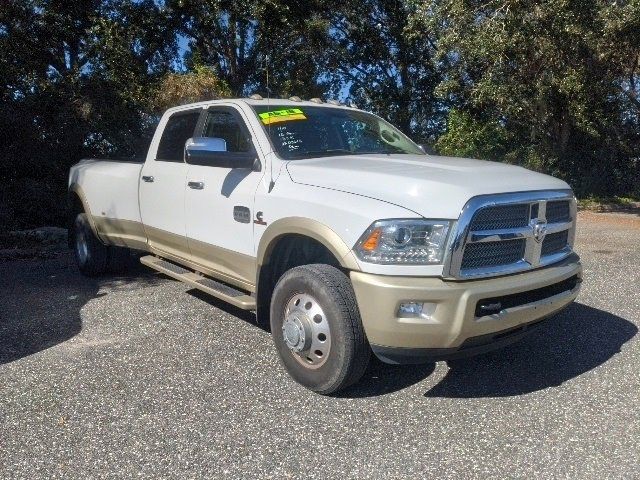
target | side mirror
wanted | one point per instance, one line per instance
(428, 149)
(206, 144)
(212, 152)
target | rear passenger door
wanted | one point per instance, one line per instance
(162, 186)
(219, 200)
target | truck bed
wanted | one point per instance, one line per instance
(117, 159)
(113, 187)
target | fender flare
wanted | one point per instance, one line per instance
(309, 228)
(75, 189)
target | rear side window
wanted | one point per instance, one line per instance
(177, 131)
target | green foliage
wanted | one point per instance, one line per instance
(386, 64)
(243, 40)
(188, 87)
(603, 204)
(75, 80)
(468, 137)
(562, 77)
(551, 85)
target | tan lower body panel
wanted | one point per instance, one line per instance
(123, 233)
(189, 262)
(225, 262)
(167, 242)
(232, 267)
(453, 319)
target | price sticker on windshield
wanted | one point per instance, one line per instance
(285, 115)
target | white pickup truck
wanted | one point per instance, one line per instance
(338, 229)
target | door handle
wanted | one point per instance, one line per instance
(196, 185)
(147, 178)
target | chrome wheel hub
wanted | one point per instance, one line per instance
(306, 331)
(296, 332)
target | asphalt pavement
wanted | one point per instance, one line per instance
(140, 376)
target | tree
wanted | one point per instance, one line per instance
(553, 85)
(385, 64)
(239, 39)
(188, 87)
(559, 78)
(75, 78)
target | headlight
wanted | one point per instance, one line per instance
(404, 242)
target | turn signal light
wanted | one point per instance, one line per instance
(371, 243)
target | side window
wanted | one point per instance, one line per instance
(177, 131)
(223, 124)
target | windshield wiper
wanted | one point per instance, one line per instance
(324, 153)
(386, 151)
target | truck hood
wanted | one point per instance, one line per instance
(431, 186)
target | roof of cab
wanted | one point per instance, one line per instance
(287, 102)
(254, 102)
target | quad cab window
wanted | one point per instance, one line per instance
(179, 129)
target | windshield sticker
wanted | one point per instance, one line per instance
(285, 115)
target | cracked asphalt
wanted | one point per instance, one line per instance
(139, 376)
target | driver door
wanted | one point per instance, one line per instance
(219, 199)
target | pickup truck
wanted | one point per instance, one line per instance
(337, 229)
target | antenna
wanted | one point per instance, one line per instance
(271, 182)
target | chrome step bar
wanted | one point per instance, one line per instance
(213, 287)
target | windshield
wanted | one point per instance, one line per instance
(306, 132)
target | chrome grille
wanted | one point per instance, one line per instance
(554, 242)
(508, 216)
(490, 254)
(558, 211)
(507, 233)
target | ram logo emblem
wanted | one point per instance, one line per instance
(539, 230)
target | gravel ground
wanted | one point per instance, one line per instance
(140, 376)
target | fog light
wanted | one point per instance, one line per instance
(416, 310)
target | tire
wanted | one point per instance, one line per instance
(317, 330)
(91, 254)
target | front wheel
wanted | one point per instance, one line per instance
(317, 330)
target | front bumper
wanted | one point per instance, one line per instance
(454, 329)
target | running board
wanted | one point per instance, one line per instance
(208, 285)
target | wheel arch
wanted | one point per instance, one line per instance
(77, 203)
(326, 245)
(307, 227)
